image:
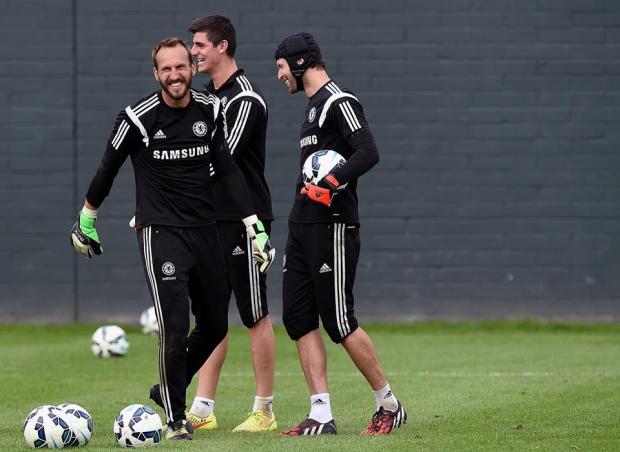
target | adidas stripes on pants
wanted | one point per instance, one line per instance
(248, 284)
(319, 268)
(183, 264)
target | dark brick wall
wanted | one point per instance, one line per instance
(497, 194)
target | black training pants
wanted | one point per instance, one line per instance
(183, 264)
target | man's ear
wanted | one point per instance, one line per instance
(222, 47)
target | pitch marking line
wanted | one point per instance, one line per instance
(432, 374)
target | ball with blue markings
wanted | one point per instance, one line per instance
(81, 422)
(319, 164)
(138, 426)
(109, 341)
(49, 428)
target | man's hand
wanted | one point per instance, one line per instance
(323, 191)
(262, 252)
(84, 237)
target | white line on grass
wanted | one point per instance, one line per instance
(434, 374)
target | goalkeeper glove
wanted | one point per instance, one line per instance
(323, 191)
(262, 252)
(84, 237)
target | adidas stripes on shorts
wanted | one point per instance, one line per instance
(319, 268)
(244, 279)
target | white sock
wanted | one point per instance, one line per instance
(385, 398)
(263, 404)
(320, 408)
(202, 407)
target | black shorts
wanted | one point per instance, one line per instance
(320, 262)
(248, 284)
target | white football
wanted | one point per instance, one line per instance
(109, 340)
(49, 428)
(42, 408)
(319, 164)
(81, 421)
(148, 320)
(138, 426)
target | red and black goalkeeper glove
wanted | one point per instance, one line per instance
(324, 190)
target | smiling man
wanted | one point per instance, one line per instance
(214, 46)
(323, 242)
(174, 136)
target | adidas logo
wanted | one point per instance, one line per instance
(319, 402)
(160, 135)
(325, 268)
(238, 251)
(204, 402)
(388, 395)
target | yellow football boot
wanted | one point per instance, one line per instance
(257, 421)
(202, 423)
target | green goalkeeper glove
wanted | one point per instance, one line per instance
(262, 252)
(84, 237)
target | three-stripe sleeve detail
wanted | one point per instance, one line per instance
(134, 118)
(349, 115)
(351, 118)
(244, 83)
(146, 105)
(345, 107)
(120, 134)
(134, 114)
(239, 126)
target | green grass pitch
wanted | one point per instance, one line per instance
(494, 386)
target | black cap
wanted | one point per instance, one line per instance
(299, 45)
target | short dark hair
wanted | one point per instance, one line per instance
(218, 29)
(170, 43)
(320, 65)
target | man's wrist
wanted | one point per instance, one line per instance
(90, 213)
(332, 181)
(249, 221)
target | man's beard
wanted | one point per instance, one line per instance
(292, 85)
(183, 92)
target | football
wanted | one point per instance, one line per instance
(41, 408)
(109, 340)
(319, 164)
(81, 421)
(49, 427)
(137, 426)
(148, 321)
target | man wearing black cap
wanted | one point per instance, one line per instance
(323, 242)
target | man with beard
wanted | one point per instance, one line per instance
(323, 242)
(173, 137)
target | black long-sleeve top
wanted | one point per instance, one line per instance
(173, 152)
(334, 120)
